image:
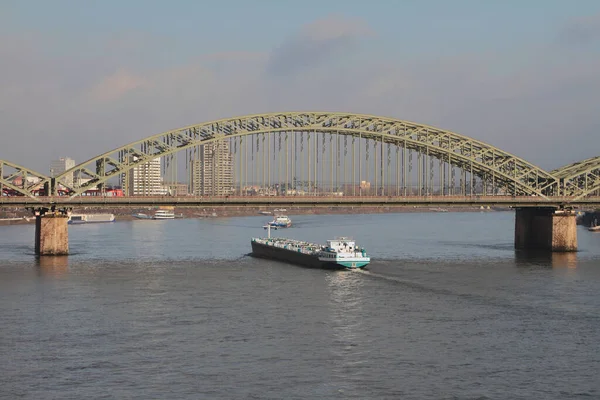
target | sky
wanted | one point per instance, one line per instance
(79, 78)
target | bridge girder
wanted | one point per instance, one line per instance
(11, 173)
(465, 152)
(581, 178)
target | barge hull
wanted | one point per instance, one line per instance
(293, 257)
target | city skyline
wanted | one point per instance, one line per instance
(521, 77)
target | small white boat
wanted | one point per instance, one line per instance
(164, 214)
(281, 221)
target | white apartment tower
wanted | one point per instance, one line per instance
(212, 173)
(145, 180)
(61, 165)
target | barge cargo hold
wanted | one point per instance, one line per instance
(340, 253)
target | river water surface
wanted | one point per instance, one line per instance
(177, 310)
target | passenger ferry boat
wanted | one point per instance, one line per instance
(75, 219)
(340, 253)
(164, 214)
(281, 221)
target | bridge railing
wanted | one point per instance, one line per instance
(300, 200)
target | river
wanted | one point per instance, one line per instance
(177, 310)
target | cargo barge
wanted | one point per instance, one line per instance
(340, 253)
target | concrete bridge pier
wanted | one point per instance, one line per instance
(540, 228)
(51, 232)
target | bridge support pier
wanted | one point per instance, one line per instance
(545, 229)
(51, 234)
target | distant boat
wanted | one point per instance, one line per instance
(265, 212)
(281, 221)
(159, 214)
(164, 214)
(595, 227)
(76, 219)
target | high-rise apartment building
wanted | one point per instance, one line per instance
(61, 165)
(212, 173)
(144, 180)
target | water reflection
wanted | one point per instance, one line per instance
(53, 265)
(544, 258)
(346, 304)
(562, 260)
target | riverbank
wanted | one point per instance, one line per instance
(14, 216)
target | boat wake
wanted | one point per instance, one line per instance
(379, 276)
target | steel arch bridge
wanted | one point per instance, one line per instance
(579, 179)
(382, 150)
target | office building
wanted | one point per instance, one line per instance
(61, 165)
(144, 180)
(212, 173)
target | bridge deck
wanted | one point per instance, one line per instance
(298, 201)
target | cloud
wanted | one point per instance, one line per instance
(315, 43)
(115, 86)
(542, 106)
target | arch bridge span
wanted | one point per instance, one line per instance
(18, 180)
(579, 179)
(329, 152)
(473, 157)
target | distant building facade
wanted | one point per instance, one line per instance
(61, 165)
(212, 173)
(145, 179)
(177, 189)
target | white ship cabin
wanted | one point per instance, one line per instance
(341, 245)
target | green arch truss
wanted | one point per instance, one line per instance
(477, 157)
(20, 180)
(579, 179)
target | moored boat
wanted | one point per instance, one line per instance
(340, 253)
(164, 214)
(75, 219)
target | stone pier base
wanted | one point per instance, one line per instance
(545, 229)
(51, 235)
